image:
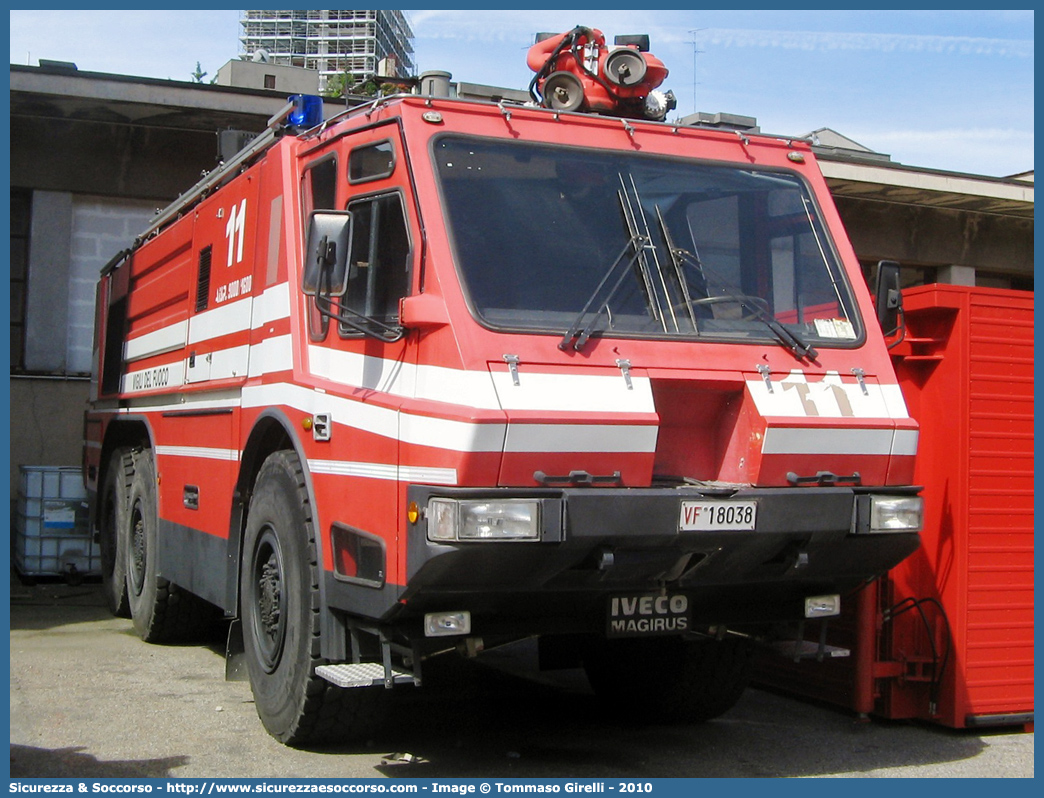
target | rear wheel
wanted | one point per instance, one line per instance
(280, 608)
(669, 679)
(161, 610)
(112, 524)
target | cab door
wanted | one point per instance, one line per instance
(358, 354)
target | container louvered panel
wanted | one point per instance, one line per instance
(998, 642)
(968, 378)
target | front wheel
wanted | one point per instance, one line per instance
(669, 679)
(280, 613)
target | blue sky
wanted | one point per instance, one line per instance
(946, 90)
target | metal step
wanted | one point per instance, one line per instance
(806, 649)
(362, 674)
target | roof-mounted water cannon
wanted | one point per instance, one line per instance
(578, 71)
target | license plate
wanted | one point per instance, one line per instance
(648, 614)
(712, 516)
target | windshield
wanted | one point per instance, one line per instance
(588, 243)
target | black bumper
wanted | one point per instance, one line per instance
(596, 543)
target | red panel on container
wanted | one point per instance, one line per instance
(953, 624)
(976, 463)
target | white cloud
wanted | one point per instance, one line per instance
(979, 150)
(163, 44)
(980, 135)
(868, 42)
(520, 26)
(499, 26)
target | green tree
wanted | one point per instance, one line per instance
(339, 86)
(199, 74)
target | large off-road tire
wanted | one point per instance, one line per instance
(280, 613)
(112, 528)
(668, 679)
(162, 611)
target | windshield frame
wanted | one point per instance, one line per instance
(753, 335)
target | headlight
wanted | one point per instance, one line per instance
(453, 520)
(896, 513)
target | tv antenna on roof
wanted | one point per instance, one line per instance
(695, 52)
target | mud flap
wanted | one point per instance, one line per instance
(235, 654)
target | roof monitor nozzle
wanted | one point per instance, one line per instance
(578, 71)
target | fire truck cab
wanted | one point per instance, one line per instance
(439, 375)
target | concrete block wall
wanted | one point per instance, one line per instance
(101, 227)
(46, 423)
(72, 237)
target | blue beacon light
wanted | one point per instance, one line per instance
(307, 111)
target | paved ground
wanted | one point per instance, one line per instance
(89, 699)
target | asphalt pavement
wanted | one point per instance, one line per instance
(89, 699)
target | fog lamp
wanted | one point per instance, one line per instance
(822, 606)
(445, 624)
(896, 513)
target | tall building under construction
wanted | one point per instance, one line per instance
(360, 43)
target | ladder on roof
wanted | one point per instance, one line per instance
(262, 142)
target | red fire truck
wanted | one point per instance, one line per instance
(438, 375)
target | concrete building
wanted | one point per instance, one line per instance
(360, 43)
(93, 156)
(250, 74)
(943, 227)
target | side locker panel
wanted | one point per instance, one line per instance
(271, 350)
(198, 453)
(154, 313)
(106, 365)
(112, 290)
(224, 250)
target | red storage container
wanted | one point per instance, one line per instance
(947, 636)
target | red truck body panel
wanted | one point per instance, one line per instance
(210, 354)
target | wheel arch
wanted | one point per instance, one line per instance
(122, 433)
(272, 432)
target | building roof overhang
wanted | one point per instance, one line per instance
(74, 95)
(887, 182)
(77, 96)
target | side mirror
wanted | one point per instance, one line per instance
(888, 296)
(326, 253)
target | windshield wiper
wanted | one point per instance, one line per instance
(790, 340)
(637, 225)
(679, 271)
(636, 243)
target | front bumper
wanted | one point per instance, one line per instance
(597, 542)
